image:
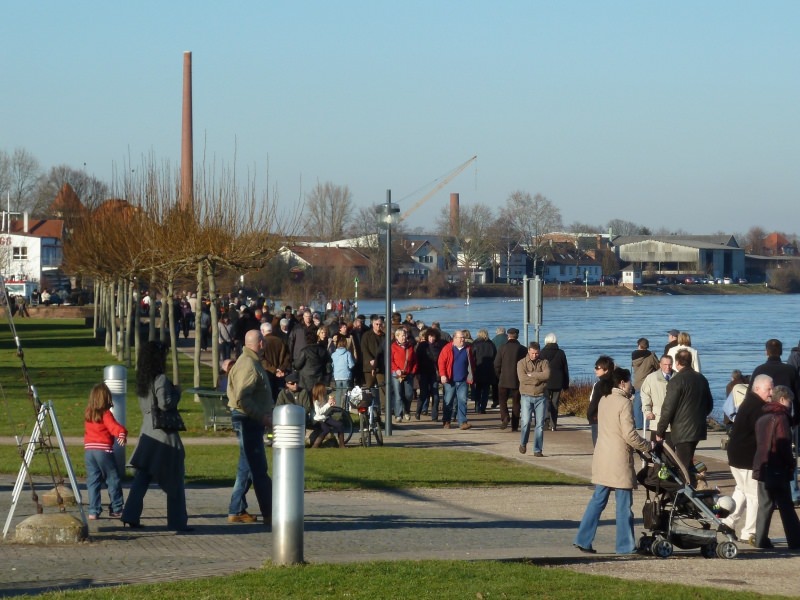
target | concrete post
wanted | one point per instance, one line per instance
(288, 468)
(116, 378)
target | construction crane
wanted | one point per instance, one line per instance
(448, 178)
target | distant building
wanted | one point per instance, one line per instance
(713, 255)
(32, 250)
(777, 244)
(302, 258)
(563, 262)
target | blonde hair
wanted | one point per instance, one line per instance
(684, 339)
(483, 334)
(99, 403)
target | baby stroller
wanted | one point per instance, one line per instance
(678, 515)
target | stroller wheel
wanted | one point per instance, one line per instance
(645, 543)
(661, 548)
(727, 550)
(709, 550)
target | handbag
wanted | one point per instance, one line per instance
(166, 420)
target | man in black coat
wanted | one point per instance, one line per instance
(686, 407)
(559, 378)
(505, 367)
(742, 451)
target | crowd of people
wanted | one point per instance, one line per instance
(310, 359)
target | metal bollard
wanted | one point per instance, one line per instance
(116, 378)
(288, 468)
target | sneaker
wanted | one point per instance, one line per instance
(94, 517)
(522, 449)
(406, 417)
(115, 515)
(538, 454)
(446, 425)
(588, 550)
(465, 425)
(503, 424)
(245, 517)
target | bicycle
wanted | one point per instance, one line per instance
(367, 403)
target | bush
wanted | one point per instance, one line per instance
(575, 400)
(786, 279)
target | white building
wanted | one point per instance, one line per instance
(32, 250)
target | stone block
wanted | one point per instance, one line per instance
(51, 529)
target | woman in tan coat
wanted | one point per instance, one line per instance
(612, 465)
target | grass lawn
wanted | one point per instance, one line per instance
(64, 362)
(405, 579)
(330, 469)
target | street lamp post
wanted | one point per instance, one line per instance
(387, 215)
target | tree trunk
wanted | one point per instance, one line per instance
(151, 332)
(111, 328)
(133, 324)
(173, 332)
(122, 293)
(197, 316)
(212, 294)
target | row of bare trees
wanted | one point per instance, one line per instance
(147, 240)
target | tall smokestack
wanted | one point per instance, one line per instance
(454, 215)
(187, 152)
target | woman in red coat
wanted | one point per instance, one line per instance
(404, 367)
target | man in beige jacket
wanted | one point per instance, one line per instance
(533, 373)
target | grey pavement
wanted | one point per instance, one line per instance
(469, 523)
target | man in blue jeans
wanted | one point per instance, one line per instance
(250, 401)
(533, 373)
(456, 369)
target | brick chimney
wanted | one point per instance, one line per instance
(187, 153)
(454, 215)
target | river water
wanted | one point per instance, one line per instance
(728, 331)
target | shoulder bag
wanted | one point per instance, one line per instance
(166, 420)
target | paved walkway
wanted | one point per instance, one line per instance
(463, 523)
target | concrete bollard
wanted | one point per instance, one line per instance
(288, 485)
(116, 378)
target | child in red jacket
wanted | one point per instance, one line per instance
(100, 431)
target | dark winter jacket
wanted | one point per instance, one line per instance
(372, 349)
(742, 441)
(782, 374)
(643, 362)
(773, 444)
(428, 358)
(559, 370)
(686, 407)
(505, 364)
(485, 353)
(313, 366)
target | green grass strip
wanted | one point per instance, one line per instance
(482, 580)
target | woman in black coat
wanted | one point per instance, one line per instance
(559, 377)
(314, 363)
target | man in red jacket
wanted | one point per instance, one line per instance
(457, 369)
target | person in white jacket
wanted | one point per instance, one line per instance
(685, 343)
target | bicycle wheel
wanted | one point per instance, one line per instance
(378, 435)
(343, 417)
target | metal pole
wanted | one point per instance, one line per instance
(288, 466)
(116, 378)
(355, 300)
(387, 351)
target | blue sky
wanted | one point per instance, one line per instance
(669, 114)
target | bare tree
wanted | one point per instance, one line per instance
(90, 190)
(578, 227)
(754, 240)
(622, 227)
(19, 173)
(328, 211)
(474, 246)
(529, 219)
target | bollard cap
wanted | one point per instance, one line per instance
(115, 372)
(289, 414)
